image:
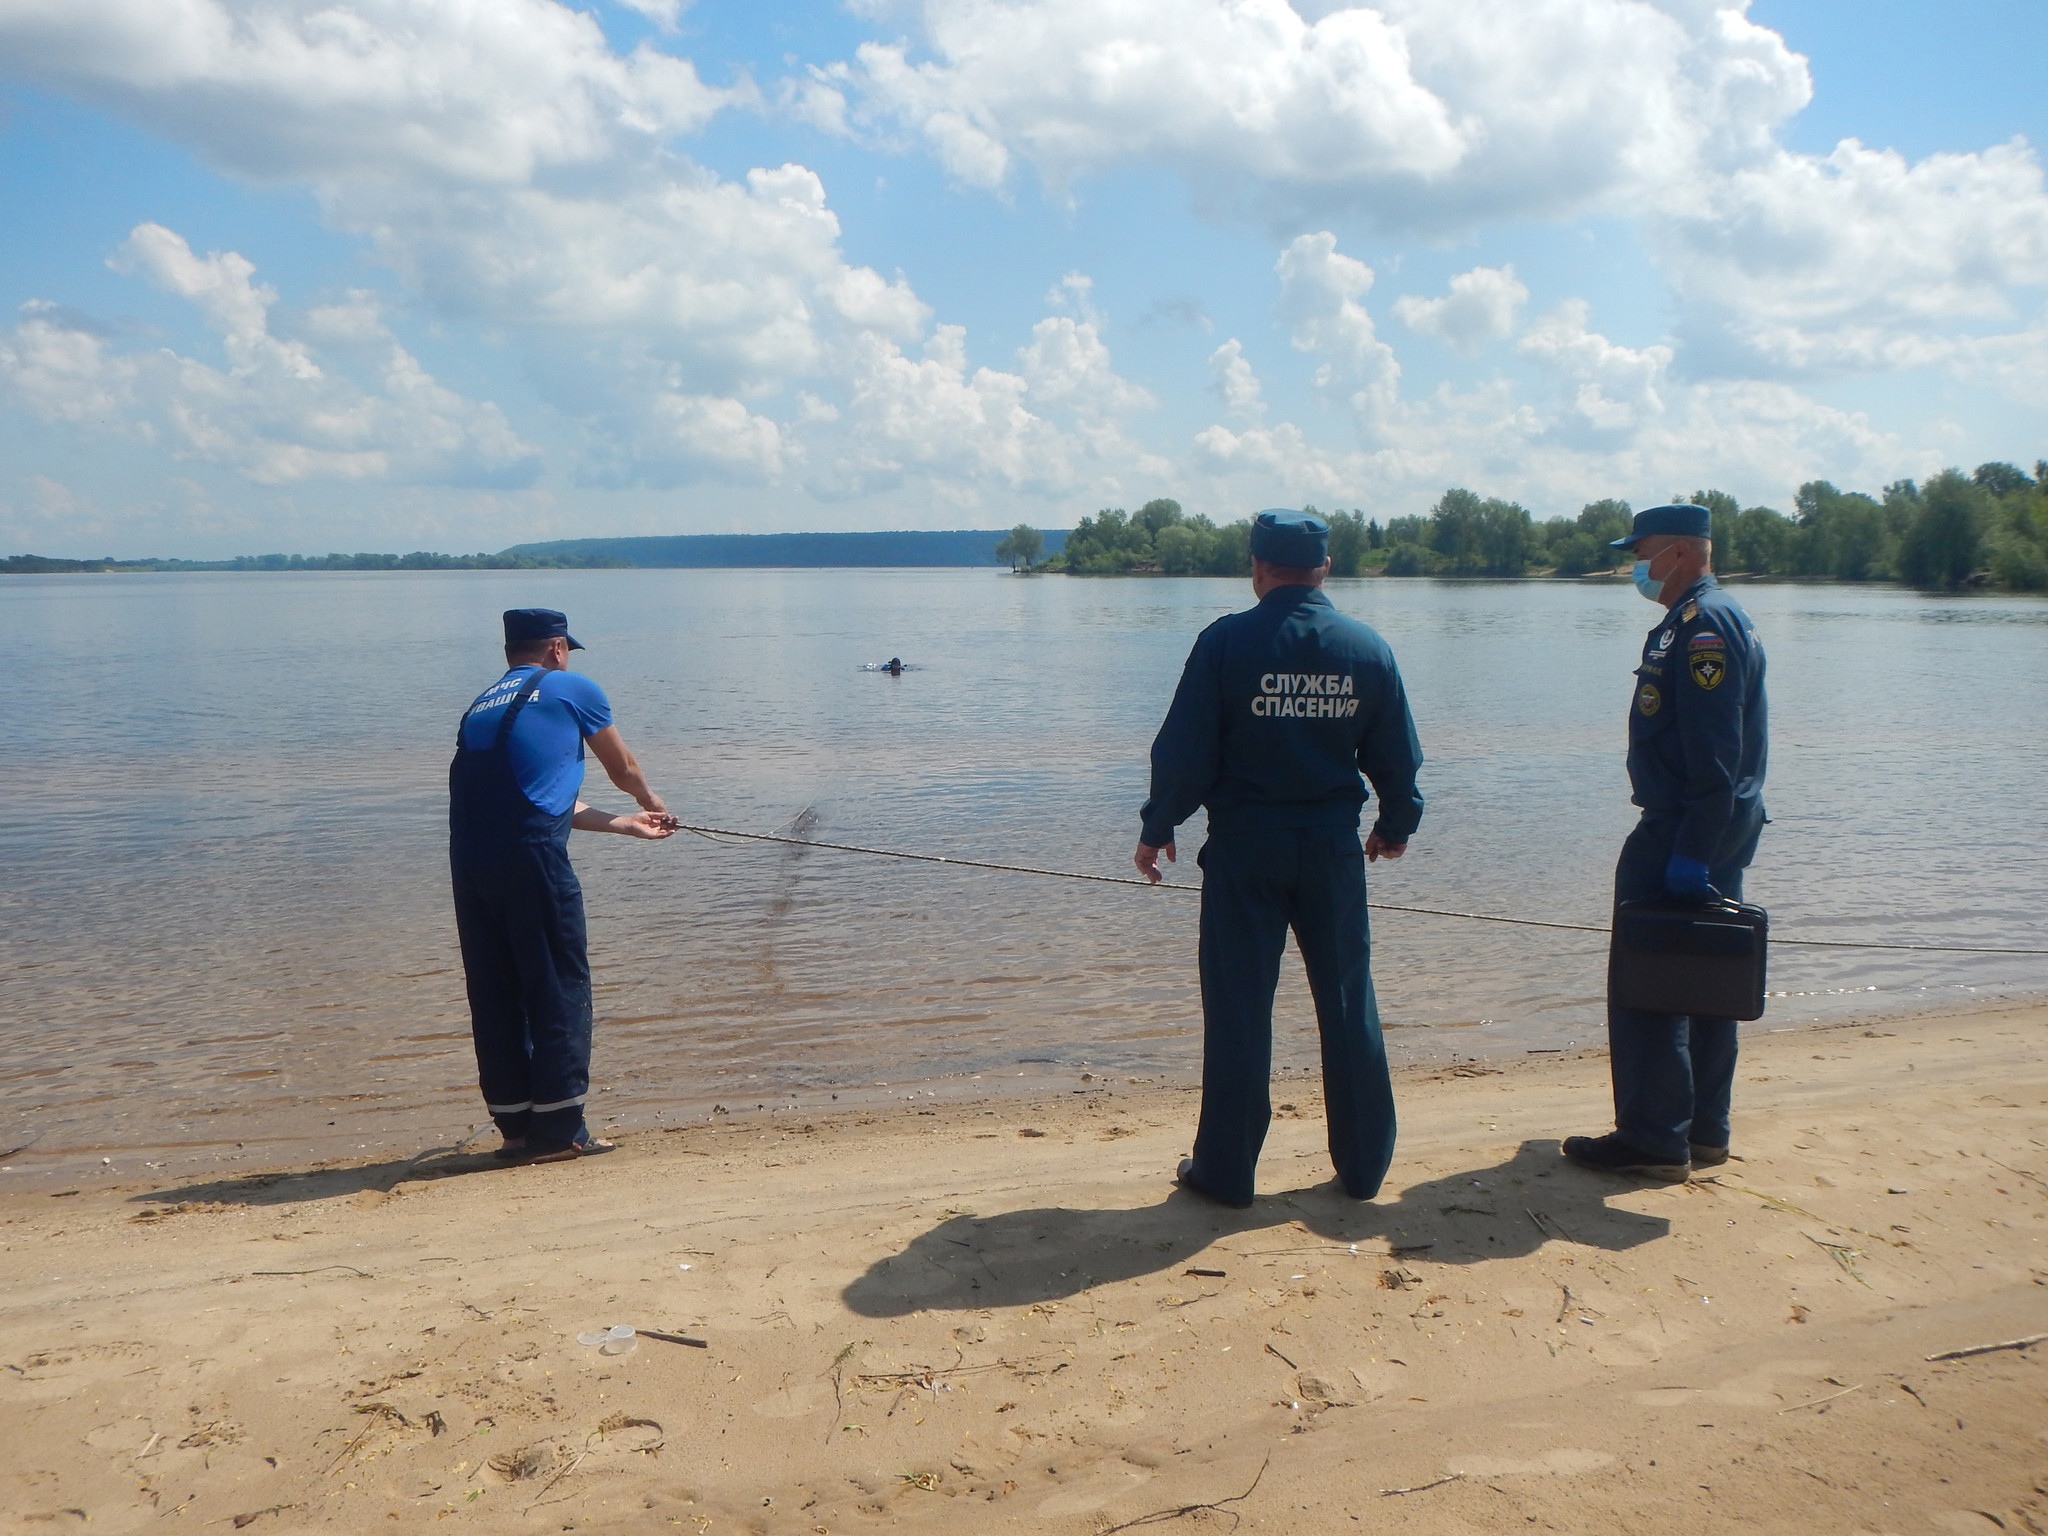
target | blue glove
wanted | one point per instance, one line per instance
(1686, 877)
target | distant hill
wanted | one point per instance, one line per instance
(972, 546)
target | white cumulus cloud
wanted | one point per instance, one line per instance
(1412, 113)
(277, 413)
(1423, 118)
(1481, 307)
(1862, 260)
(1238, 383)
(1319, 292)
(1610, 387)
(486, 91)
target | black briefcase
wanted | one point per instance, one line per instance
(1701, 957)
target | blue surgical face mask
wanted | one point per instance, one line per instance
(1647, 584)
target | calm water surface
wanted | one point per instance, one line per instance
(224, 928)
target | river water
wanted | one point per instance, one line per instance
(225, 934)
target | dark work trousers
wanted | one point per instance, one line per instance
(1255, 886)
(1673, 1073)
(519, 912)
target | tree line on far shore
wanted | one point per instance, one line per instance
(1989, 528)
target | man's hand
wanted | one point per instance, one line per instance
(1377, 848)
(651, 825)
(1687, 877)
(1147, 860)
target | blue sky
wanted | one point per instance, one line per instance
(392, 274)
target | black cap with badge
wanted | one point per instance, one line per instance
(524, 625)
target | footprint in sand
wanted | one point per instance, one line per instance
(1753, 1389)
(1565, 1461)
(1097, 1490)
(794, 1402)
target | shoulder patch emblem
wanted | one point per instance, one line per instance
(1689, 612)
(1649, 699)
(1707, 640)
(1708, 668)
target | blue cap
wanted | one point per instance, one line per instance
(1284, 537)
(527, 624)
(1682, 518)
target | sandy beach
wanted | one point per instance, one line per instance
(1001, 1316)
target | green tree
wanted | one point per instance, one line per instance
(1228, 550)
(1480, 536)
(1573, 551)
(2001, 479)
(1412, 560)
(2018, 542)
(1944, 542)
(1724, 507)
(1757, 540)
(1350, 540)
(1845, 535)
(1606, 521)
(1105, 544)
(1162, 512)
(1180, 548)
(1022, 545)
(1457, 526)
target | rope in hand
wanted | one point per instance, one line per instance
(715, 833)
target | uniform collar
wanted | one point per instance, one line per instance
(1705, 584)
(1295, 594)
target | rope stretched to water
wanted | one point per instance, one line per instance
(715, 833)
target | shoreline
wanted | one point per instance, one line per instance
(267, 1140)
(970, 1317)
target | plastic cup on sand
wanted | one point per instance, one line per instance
(618, 1340)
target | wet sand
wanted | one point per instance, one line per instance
(966, 1317)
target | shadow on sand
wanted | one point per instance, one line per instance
(1505, 1211)
(290, 1187)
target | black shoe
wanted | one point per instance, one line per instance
(1708, 1157)
(1184, 1176)
(1610, 1154)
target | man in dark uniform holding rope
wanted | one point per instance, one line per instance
(512, 798)
(1279, 711)
(1697, 741)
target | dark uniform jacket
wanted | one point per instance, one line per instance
(1279, 710)
(1696, 728)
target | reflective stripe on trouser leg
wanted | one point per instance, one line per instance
(554, 975)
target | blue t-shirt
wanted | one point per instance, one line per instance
(547, 738)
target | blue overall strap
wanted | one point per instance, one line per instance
(526, 691)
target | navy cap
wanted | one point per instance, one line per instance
(1283, 537)
(1682, 518)
(526, 624)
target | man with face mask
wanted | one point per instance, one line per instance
(1696, 747)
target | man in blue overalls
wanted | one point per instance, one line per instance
(1279, 710)
(1697, 742)
(512, 798)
